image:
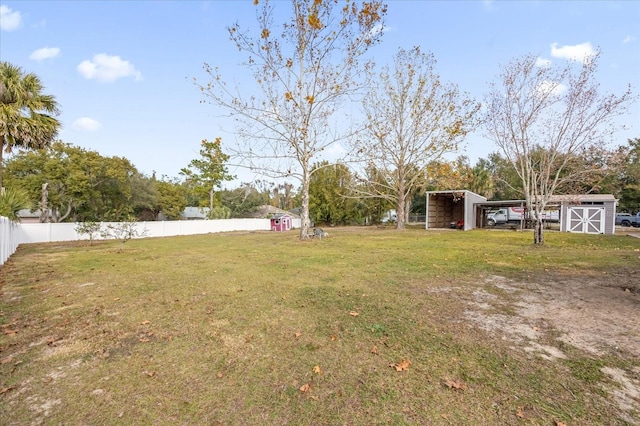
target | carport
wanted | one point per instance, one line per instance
(447, 207)
(586, 213)
(484, 208)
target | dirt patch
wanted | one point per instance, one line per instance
(597, 314)
(593, 313)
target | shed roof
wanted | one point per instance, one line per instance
(453, 192)
(280, 215)
(581, 198)
(267, 211)
(557, 199)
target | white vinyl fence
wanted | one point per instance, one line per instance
(13, 234)
(8, 239)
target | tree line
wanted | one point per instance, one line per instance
(84, 186)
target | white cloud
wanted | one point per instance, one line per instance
(107, 68)
(335, 151)
(579, 52)
(379, 28)
(629, 39)
(488, 4)
(9, 20)
(87, 124)
(45, 53)
(551, 87)
(543, 63)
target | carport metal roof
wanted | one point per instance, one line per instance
(554, 200)
(501, 203)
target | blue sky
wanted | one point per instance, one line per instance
(123, 71)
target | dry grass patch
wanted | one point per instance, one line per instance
(368, 326)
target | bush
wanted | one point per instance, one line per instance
(220, 213)
(123, 231)
(88, 228)
(12, 200)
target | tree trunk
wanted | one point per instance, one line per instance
(407, 209)
(44, 212)
(68, 212)
(304, 214)
(538, 232)
(400, 213)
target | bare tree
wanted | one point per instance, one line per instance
(413, 119)
(304, 75)
(124, 231)
(544, 120)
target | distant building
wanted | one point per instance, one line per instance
(194, 213)
(267, 212)
(28, 216)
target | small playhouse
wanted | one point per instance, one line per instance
(281, 222)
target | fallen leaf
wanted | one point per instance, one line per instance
(317, 369)
(145, 322)
(333, 338)
(219, 375)
(10, 332)
(402, 365)
(374, 350)
(115, 299)
(520, 413)
(248, 338)
(455, 384)
(144, 340)
(304, 387)
(561, 424)
(444, 416)
(151, 373)
(6, 360)
(5, 390)
(298, 334)
(354, 313)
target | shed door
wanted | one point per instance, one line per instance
(586, 220)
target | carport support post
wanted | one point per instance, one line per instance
(426, 218)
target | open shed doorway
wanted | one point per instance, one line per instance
(447, 208)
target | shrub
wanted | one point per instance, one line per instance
(12, 200)
(123, 231)
(88, 228)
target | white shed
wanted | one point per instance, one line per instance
(587, 213)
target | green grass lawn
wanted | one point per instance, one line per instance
(365, 327)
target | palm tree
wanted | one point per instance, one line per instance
(12, 201)
(26, 115)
